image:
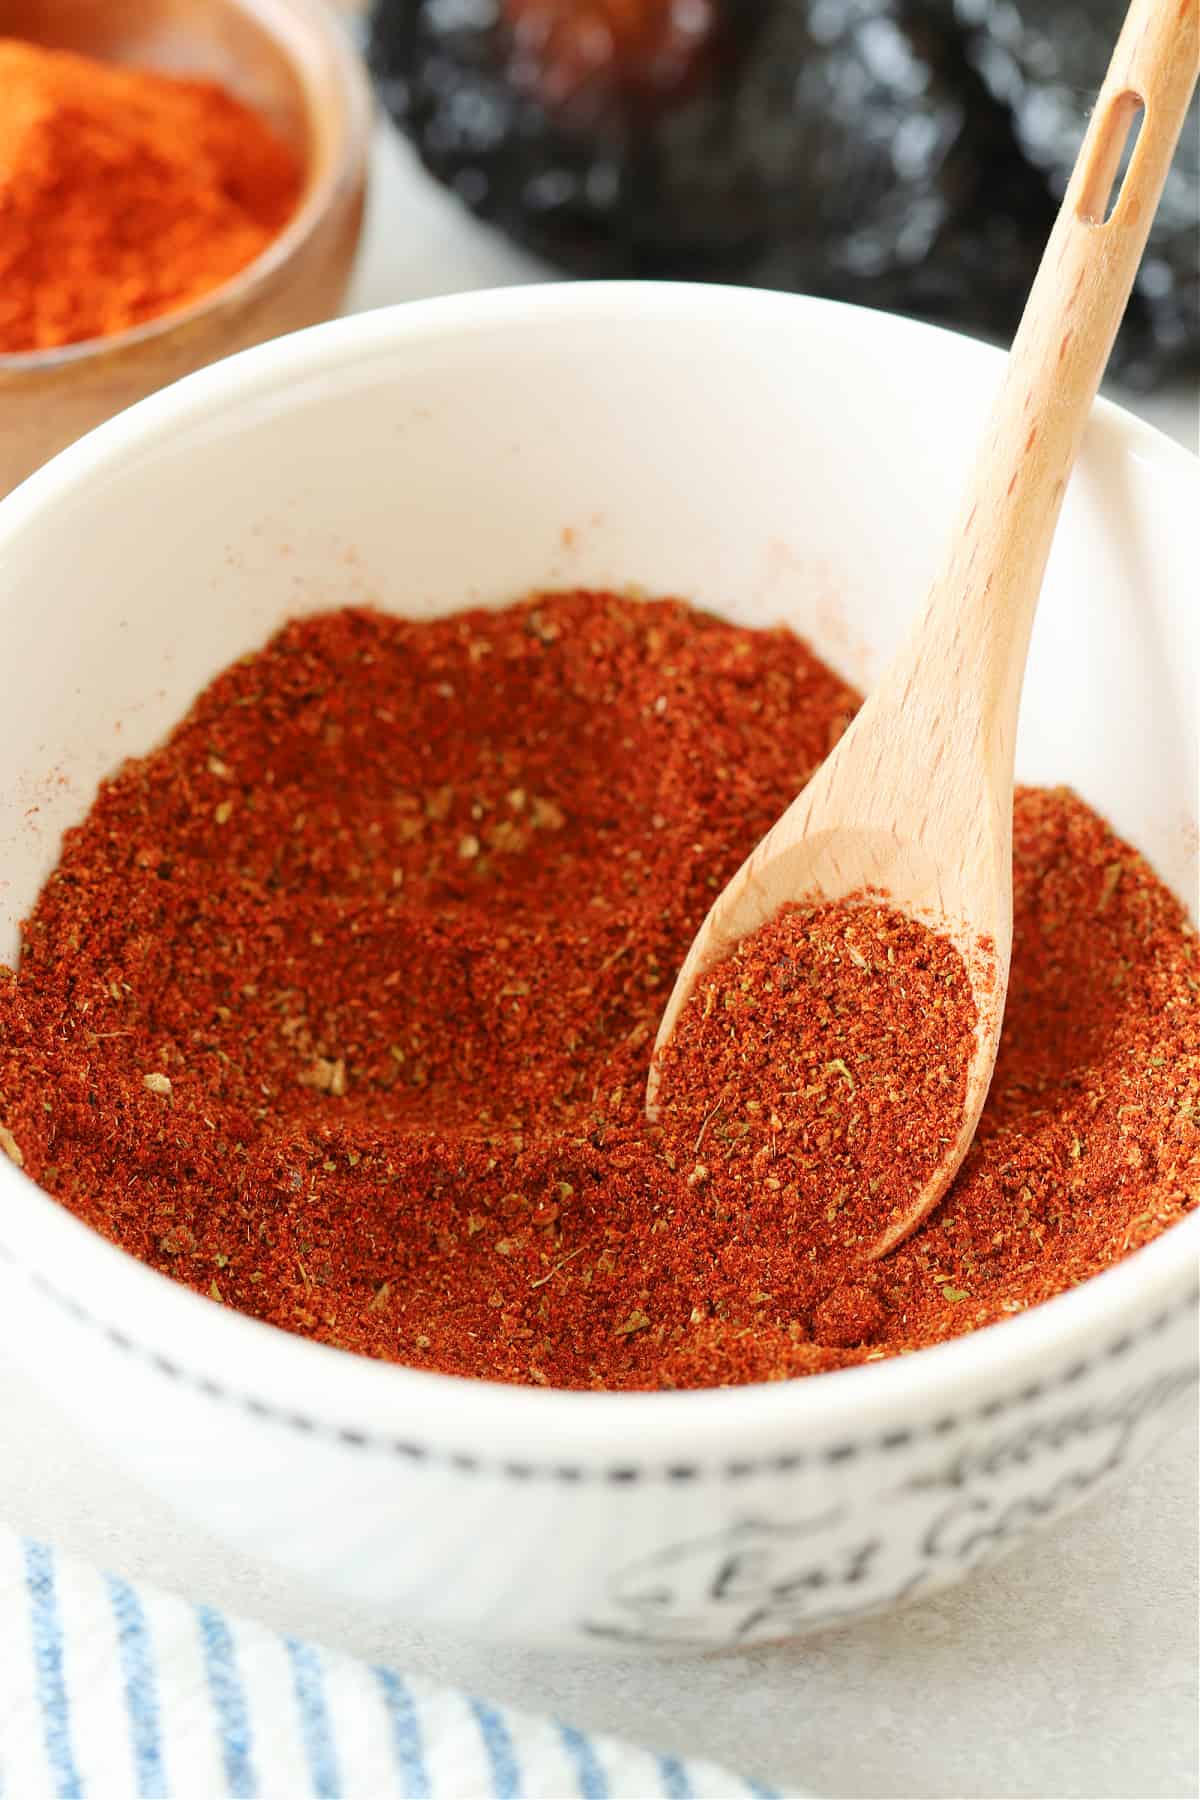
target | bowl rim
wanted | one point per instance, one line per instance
(282, 20)
(412, 1412)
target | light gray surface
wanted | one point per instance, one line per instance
(1069, 1670)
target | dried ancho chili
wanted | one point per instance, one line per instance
(895, 153)
(339, 1008)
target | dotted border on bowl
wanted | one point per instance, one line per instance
(618, 1475)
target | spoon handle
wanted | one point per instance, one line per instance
(988, 586)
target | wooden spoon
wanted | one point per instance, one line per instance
(916, 800)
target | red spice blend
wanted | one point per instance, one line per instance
(339, 1009)
(124, 194)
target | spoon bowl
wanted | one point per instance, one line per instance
(830, 846)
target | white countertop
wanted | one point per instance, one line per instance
(1071, 1670)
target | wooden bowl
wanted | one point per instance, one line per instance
(288, 59)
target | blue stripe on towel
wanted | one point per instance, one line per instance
(229, 1703)
(589, 1771)
(141, 1687)
(406, 1733)
(675, 1782)
(46, 1631)
(315, 1725)
(497, 1741)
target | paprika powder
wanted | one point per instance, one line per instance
(124, 194)
(339, 1008)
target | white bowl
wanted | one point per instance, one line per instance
(772, 458)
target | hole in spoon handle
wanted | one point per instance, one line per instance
(1112, 152)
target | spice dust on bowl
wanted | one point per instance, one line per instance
(339, 1005)
(162, 182)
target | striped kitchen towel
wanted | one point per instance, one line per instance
(108, 1691)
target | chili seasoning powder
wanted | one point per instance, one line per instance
(124, 194)
(339, 1007)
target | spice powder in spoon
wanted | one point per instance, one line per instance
(339, 1007)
